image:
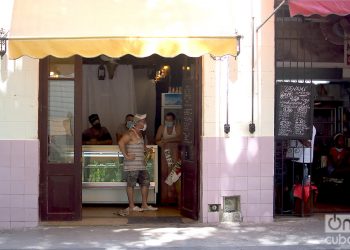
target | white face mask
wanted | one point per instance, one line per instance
(144, 127)
(169, 124)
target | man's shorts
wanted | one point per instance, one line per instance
(140, 176)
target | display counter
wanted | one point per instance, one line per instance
(103, 175)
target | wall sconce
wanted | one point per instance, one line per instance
(101, 72)
(3, 42)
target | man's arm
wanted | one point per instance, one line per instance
(106, 138)
(306, 143)
(86, 137)
(126, 138)
(178, 135)
(159, 141)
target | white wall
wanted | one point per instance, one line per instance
(19, 81)
(238, 71)
(240, 164)
(19, 86)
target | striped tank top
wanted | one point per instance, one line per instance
(139, 162)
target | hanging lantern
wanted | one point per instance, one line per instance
(101, 72)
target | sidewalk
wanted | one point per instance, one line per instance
(284, 233)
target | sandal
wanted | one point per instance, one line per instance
(126, 211)
(149, 208)
(136, 209)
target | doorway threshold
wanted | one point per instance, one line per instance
(108, 216)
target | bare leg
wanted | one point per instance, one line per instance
(130, 193)
(144, 194)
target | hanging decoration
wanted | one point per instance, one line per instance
(101, 72)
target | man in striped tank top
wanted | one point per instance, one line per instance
(133, 148)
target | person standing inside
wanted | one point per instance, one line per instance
(133, 148)
(306, 155)
(169, 137)
(96, 135)
(169, 132)
(338, 155)
(124, 127)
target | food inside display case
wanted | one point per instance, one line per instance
(103, 175)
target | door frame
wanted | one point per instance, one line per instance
(64, 170)
(42, 126)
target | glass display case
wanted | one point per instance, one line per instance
(103, 175)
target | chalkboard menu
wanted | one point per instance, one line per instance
(188, 111)
(294, 110)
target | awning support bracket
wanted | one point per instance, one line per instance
(273, 13)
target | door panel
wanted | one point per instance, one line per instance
(192, 123)
(60, 198)
(60, 140)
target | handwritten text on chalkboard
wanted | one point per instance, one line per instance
(294, 110)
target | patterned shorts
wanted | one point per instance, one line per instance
(140, 176)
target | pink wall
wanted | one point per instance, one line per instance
(19, 183)
(241, 166)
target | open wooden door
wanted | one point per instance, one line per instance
(60, 138)
(192, 129)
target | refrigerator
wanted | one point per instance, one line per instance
(172, 102)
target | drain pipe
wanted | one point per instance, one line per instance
(252, 124)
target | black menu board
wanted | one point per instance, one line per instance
(294, 110)
(188, 111)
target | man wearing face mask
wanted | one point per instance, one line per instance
(124, 127)
(96, 135)
(169, 132)
(168, 138)
(133, 147)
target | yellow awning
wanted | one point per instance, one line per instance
(89, 28)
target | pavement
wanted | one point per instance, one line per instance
(283, 233)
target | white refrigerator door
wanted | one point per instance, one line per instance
(177, 110)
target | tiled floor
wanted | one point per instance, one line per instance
(108, 216)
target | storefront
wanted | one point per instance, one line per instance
(225, 171)
(311, 51)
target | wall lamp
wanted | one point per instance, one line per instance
(3, 42)
(101, 72)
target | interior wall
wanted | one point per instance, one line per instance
(111, 99)
(145, 93)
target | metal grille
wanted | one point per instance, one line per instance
(301, 55)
